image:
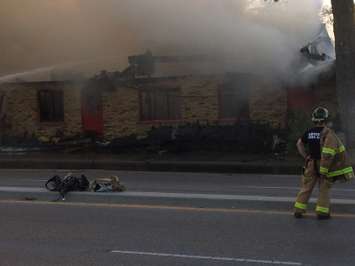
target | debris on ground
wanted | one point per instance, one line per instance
(67, 184)
(73, 183)
(110, 184)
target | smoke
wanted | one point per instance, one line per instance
(239, 35)
(41, 33)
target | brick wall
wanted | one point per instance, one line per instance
(121, 107)
(120, 112)
(306, 99)
(200, 98)
(22, 109)
(268, 102)
(199, 103)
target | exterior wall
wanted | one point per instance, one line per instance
(268, 103)
(326, 96)
(120, 112)
(200, 103)
(200, 99)
(22, 110)
(72, 110)
(305, 99)
(121, 108)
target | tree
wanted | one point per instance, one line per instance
(343, 11)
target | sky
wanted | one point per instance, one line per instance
(41, 33)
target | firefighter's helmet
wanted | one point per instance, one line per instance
(320, 114)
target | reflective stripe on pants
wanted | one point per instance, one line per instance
(309, 180)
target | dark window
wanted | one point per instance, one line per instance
(160, 104)
(51, 105)
(234, 97)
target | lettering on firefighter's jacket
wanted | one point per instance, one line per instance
(313, 135)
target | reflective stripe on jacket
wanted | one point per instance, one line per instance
(334, 161)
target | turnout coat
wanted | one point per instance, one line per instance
(335, 163)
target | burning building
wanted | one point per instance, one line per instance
(158, 91)
(113, 105)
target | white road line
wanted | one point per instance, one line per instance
(237, 187)
(184, 256)
(292, 188)
(184, 196)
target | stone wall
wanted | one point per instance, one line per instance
(200, 99)
(121, 107)
(268, 103)
(199, 103)
(22, 109)
(120, 112)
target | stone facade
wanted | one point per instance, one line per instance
(23, 115)
(268, 103)
(120, 112)
(200, 99)
(200, 103)
(121, 106)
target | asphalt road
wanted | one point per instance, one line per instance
(230, 184)
(79, 234)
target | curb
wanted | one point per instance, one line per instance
(160, 166)
(250, 202)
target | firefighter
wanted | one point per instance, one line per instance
(325, 163)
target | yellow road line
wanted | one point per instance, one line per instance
(163, 207)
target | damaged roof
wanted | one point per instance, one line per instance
(319, 57)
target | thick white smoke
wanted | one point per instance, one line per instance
(241, 35)
(248, 36)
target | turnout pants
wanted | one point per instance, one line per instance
(310, 179)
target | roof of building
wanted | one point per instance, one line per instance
(319, 58)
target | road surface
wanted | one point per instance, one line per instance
(227, 184)
(91, 234)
